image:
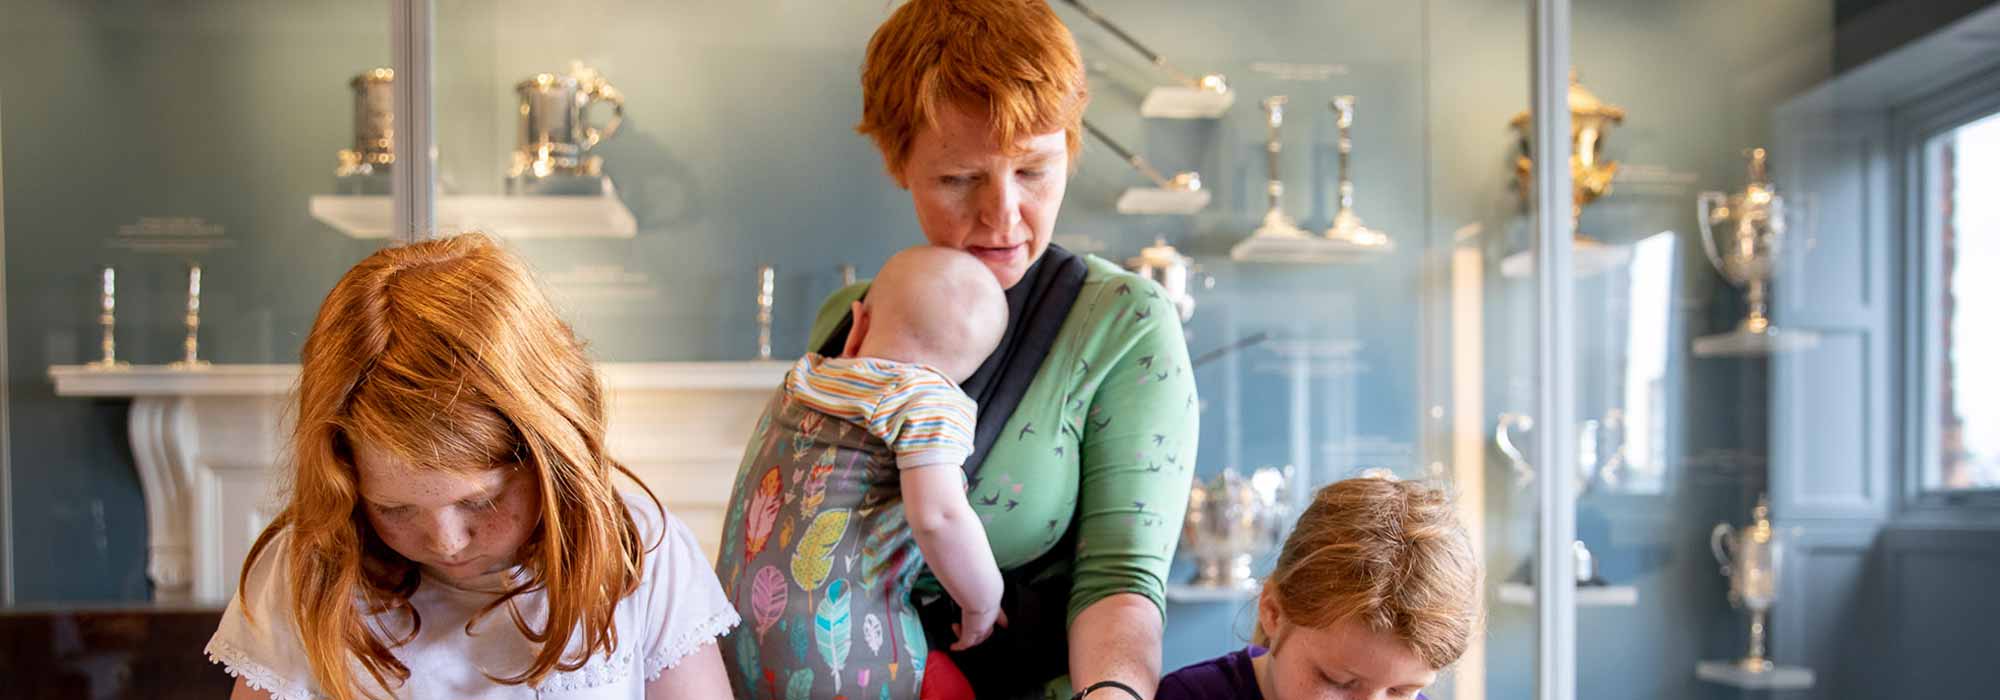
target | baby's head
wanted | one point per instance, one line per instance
(1376, 591)
(933, 306)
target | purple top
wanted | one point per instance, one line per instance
(1227, 676)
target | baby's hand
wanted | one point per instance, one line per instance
(974, 626)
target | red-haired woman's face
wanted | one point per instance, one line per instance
(971, 195)
(458, 527)
(1346, 661)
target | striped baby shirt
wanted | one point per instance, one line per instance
(918, 411)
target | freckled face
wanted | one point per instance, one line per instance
(1345, 661)
(971, 195)
(458, 527)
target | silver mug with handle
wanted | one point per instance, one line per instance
(555, 130)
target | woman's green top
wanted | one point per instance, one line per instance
(1106, 434)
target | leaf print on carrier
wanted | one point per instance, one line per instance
(913, 632)
(746, 658)
(816, 480)
(768, 593)
(832, 628)
(813, 559)
(801, 639)
(800, 687)
(763, 514)
(871, 631)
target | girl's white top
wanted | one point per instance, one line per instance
(678, 607)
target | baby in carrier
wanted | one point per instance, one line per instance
(852, 482)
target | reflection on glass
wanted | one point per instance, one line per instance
(1969, 444)
(1637, 463)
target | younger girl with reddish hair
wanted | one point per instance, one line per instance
(1376, 591)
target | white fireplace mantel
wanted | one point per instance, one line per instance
(208, 445)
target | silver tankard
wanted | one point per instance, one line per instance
(556, 134)
(374, 148)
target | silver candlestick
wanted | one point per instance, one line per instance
(1274, 186)
(1278, 239)
(190, 348)
(107, 318)
(767, 279)
(1347, 226)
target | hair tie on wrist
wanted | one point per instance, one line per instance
(1100, 685)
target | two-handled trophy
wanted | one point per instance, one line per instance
(1752, 558)
(1744, 235)
(1231, 521)
(556, 136)
(1595, 462)
(1590, 120)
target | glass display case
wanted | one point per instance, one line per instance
(1763, 238)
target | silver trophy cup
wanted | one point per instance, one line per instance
(1744, 234)
(1231, 521)
(1752, 558)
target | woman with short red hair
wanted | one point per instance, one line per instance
(1087, 412)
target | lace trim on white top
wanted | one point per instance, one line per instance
(599, 671)
(253, 674)
(705, 633)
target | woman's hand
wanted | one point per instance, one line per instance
(701, 675)
(1117, 639)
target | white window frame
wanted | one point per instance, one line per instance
(1914, 125)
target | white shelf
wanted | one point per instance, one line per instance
(1303, 248)
(507, 216)
(1522, 594)
(1742, 343)
(1778, 678)
(278, 380)
(1179, 102)
(1189, 593)
(1589, 259)
(1153, 200)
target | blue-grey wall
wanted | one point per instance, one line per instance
(120, 112)
(738, 150)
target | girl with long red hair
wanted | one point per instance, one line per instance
(455, 526)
